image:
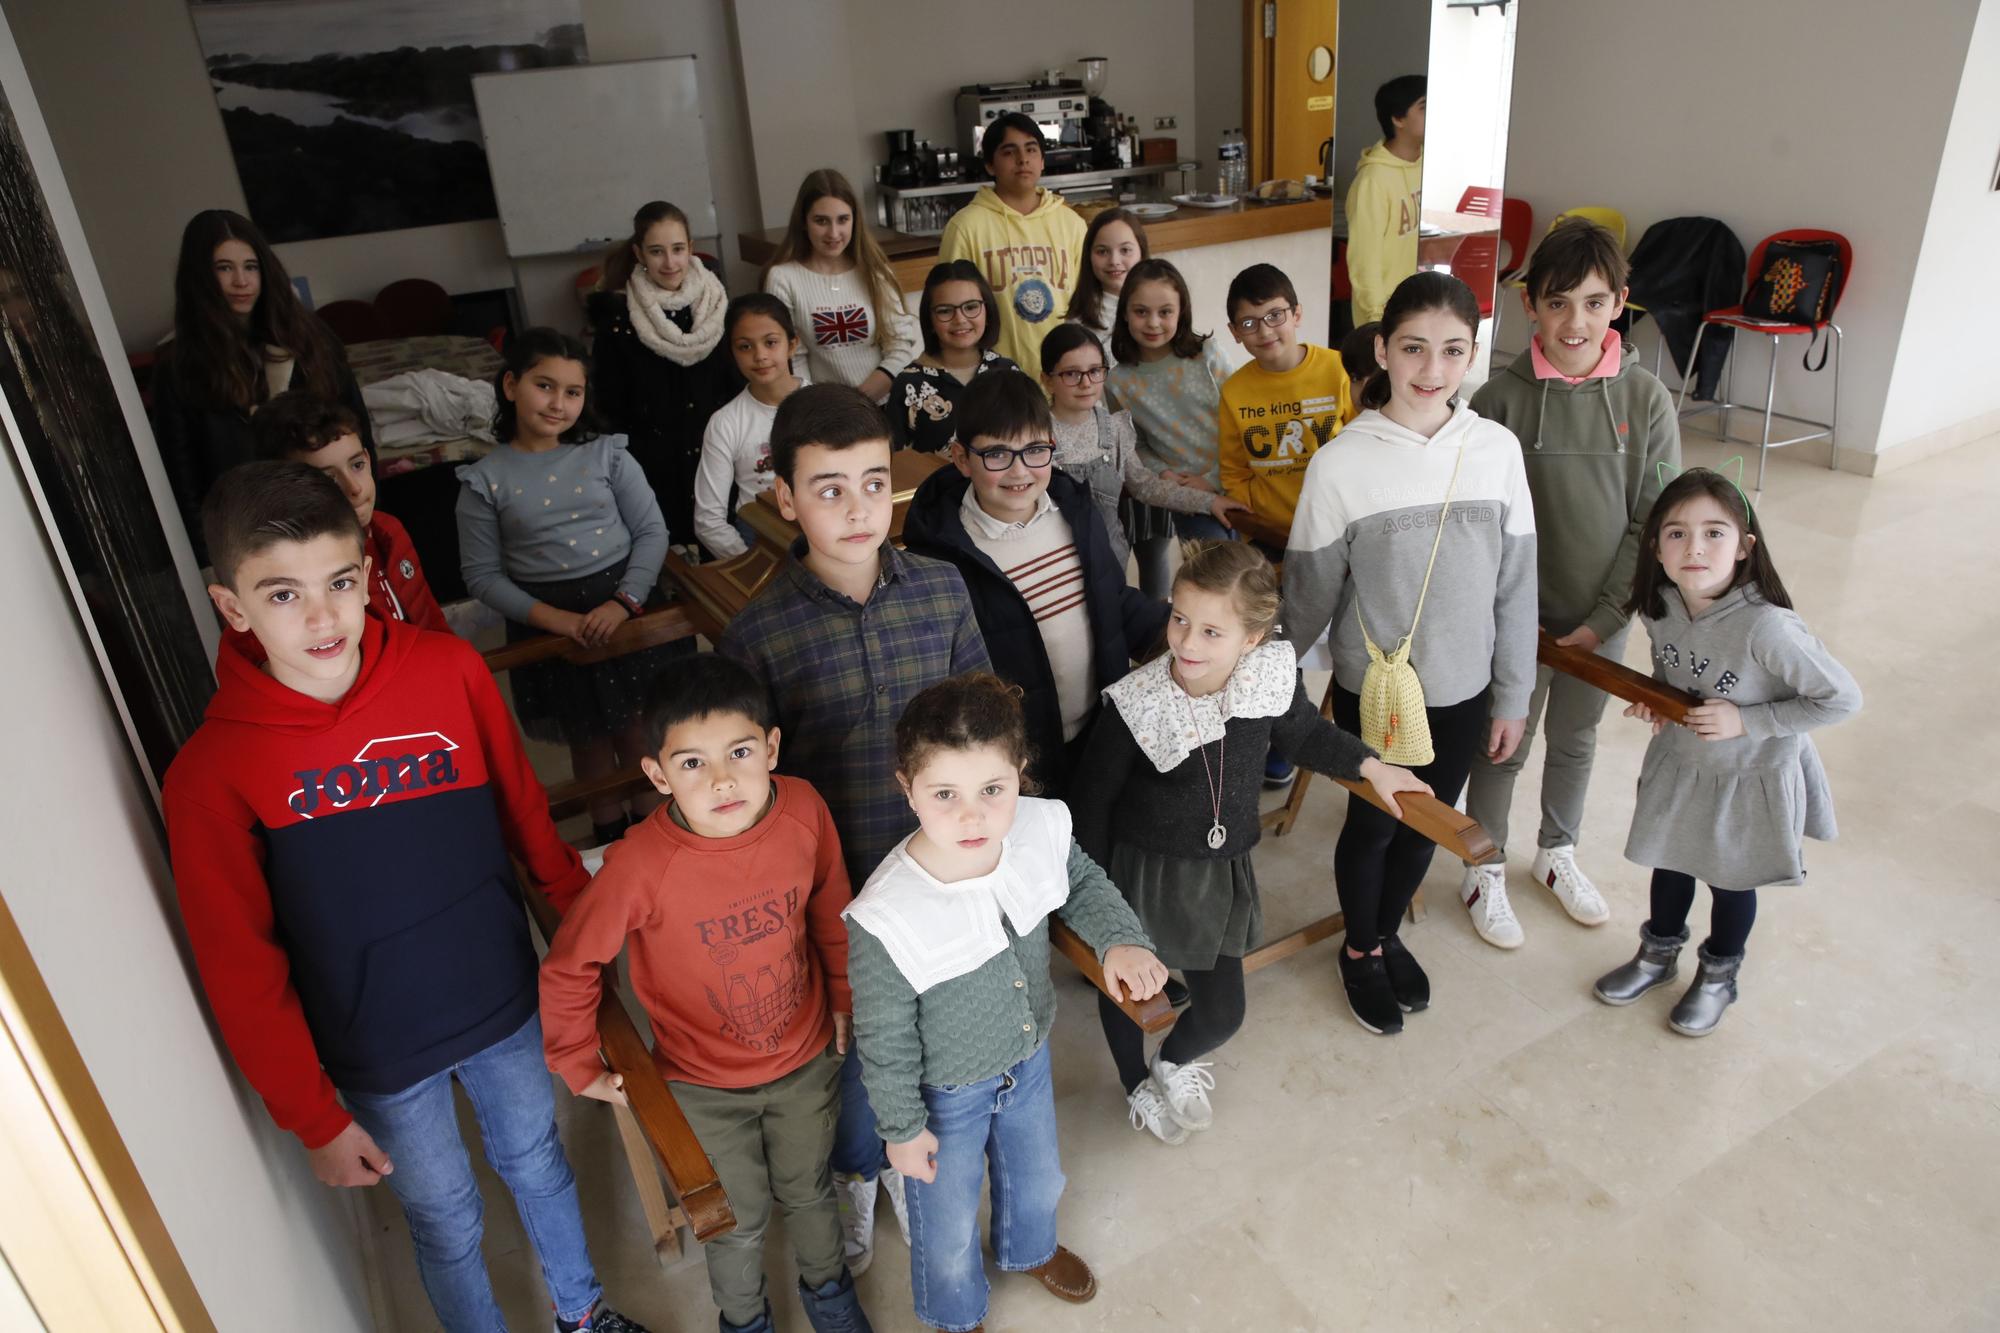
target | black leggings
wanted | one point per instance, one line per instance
(1379, 862)
(1731, 912)
(1214, 1012)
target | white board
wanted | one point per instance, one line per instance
(575, 151)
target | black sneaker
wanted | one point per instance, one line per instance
(1407, 980)
(1176, 993)
(1369, 997)
(604, 1319)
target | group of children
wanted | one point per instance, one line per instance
(900, 763)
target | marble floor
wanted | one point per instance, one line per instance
(1523, 1157)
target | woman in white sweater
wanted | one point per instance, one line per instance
(842, 294)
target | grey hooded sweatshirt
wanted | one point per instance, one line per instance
(1366, 521)
(1590, 450)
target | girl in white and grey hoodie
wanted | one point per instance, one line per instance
(1367, 522)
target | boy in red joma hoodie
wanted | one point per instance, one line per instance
(340, 826)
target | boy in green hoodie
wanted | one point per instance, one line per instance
(1026, 240)
(1385, 199)
(1593, 426)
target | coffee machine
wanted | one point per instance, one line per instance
(1060, 108)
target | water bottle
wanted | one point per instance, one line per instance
(1222, 152)
(1231, 179)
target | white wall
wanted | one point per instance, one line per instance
(1218, 85)
(1378, 40)
(1471, 81)
(128, 103)
(825, 81)
(1669, 110)
(1957, 284)
(265, 1244)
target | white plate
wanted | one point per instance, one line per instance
(1149, 210)
(1205, 200)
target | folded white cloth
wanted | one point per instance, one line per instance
(429, 407)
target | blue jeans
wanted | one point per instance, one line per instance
(1006, 1124)
(512, 1097)
(857, 1149)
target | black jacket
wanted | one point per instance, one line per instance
(1683, 268)
(199, 444)
(662, 407)
(1124, 623)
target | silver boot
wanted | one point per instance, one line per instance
(1714, 990)
(1655, 964)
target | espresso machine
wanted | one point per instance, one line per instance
(1061, 109)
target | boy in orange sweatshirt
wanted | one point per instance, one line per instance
(728, 898)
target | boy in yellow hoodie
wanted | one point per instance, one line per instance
(1385, 199)
(1277, 411)
(1026, 240)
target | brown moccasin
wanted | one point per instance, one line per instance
(1067, 1277)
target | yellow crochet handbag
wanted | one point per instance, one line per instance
(1393, 721)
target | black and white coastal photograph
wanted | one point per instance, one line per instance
(353, 116)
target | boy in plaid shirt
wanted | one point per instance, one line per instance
(844, 636)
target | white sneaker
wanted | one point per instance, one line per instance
(1186, 1089)
(856, 1199)
(892, 1181)
(1484, 893)
(1149, 1112)
(1557, 868)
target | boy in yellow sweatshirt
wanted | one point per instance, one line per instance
(1277, 411)
(1385, 199)
(1026, 240)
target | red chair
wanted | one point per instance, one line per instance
(1733, 318)
(413, 308)
(1517, 229)
(351, 321)
(1476, 261)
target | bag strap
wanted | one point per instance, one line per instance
(1825, 347)
(1450, 489)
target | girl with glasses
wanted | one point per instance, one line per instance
(961, 321)
(1100, 448)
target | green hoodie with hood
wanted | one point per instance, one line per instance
(1591, 451)
(1030, 260)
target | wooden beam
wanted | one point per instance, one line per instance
(659, 1116)
(1615, 679)
(647, 631)
(574, 797)
(1153, 1015)
(1260, 529)
(1286, 945)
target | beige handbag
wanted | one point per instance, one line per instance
(1393, 721)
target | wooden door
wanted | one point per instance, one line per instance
(1290, 57)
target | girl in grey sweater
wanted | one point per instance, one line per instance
(559, 532)
(1726, 796)
(1100, 447)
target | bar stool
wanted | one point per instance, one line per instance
(1733, 317)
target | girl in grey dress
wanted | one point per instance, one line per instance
(1727, 796)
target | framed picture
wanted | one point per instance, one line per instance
(353, 116)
